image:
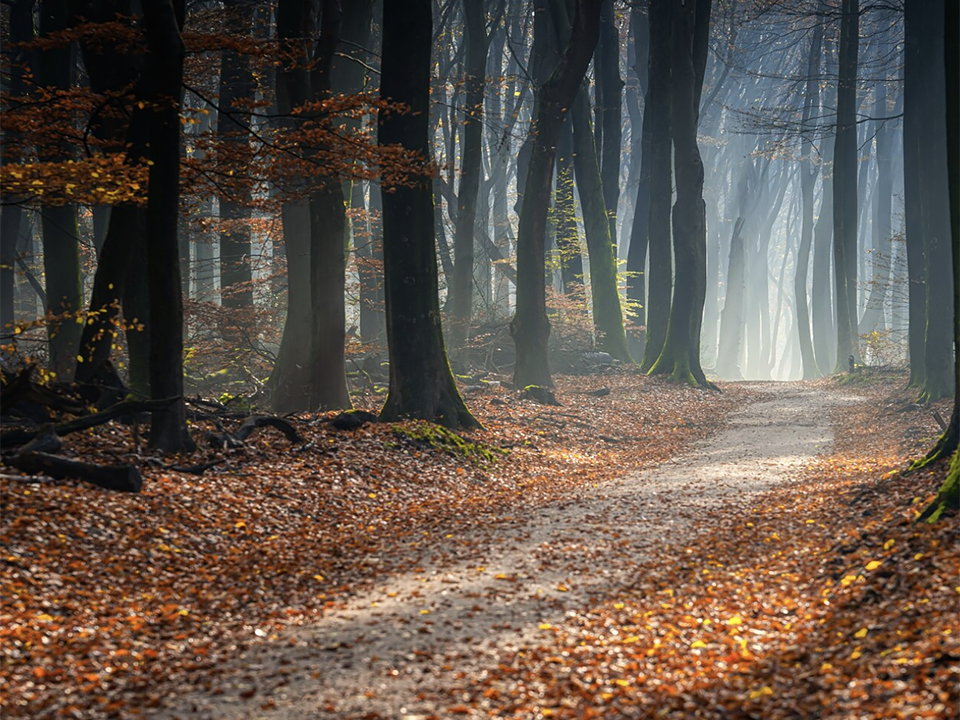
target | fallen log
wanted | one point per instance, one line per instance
(122, 478)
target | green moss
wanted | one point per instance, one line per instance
(436, 437)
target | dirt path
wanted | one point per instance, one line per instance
(394, 651)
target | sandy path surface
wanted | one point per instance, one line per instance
(395, 651)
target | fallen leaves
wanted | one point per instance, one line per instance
(111, 602)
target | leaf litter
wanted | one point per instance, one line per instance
(111, 602)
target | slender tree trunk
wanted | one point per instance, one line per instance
(421, 383)
(470, 166)
(61, 248)
(808, 179)
(568, 235)
(16, 56)
(914, 135)
(233, 119)
(845, 185)
(657, 115)
(641, 129)
(609, 112)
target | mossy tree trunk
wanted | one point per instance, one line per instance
(421, 382)
(937, 355)
(948, 497)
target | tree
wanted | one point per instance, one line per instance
(316, 380)
(845, 185)
(680, 356)
(164, 68)
(470, 166)
(421, 382)
(948, 496)
(530, 326)
(61, 249)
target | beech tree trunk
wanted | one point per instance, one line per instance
(845, 186)
(421, 383)
(657, 116)
(233, 119)
(680, 356)
(948, 496)
(530, 327)
(61, 232)
(162, 20)
(471, 162)
(808, 178)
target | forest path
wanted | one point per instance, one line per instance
(394, 651)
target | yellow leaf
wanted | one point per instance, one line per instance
(239, 524)
(698, 644)
(874, 564)
(848, 579)
(371, 495)
(631, 639)
(861, 633)
(622, 682)
(500, 576)
(545, 626)
(424, 612)
(826, 666)
(618, 606)
(735, 620)
(318, 578)
(563, 588)
(889, 544)
(765, 690)
(45, 617)
(856, 654)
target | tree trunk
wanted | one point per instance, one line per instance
(808, 179)
(16, 56)
(61, 248)
(470, 166)
(935, 210)
(680, 356)
(530, 327)
(914, 135)
(233, 119)
(845, 185)
(421, 383)
(609, 111)
(948, 496)
(568, 235)
(168, 430)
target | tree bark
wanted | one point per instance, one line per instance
(470, 166)
(657, 115)
(61, 248)
(845, 186)
(680, 356)
(421, 383)
(162, 20)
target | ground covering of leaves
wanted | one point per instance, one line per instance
(110, 601)
(826, 600)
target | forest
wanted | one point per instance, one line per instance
(515, 359)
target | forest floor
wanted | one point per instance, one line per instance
(655, 552)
